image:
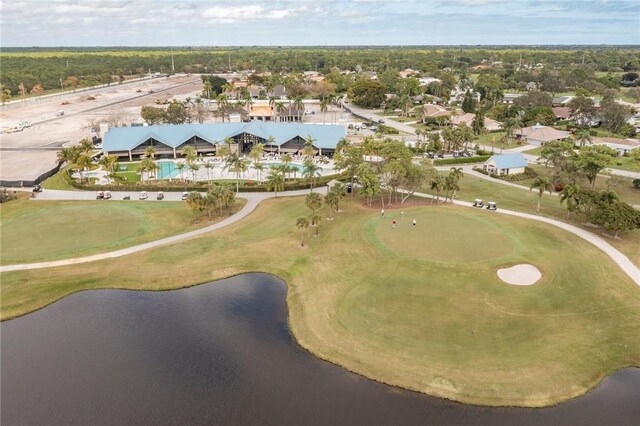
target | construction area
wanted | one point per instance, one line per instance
(34, 130)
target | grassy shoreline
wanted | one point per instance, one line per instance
(406, 321)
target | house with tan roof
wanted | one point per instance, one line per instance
(623, 146)
(434, 111)
(561, 113)
(489, 123)
(539, 135)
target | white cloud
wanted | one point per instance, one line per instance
(231, 14)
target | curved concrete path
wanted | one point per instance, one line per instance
(617, 256)
(253, 199)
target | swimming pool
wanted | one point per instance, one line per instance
(167, 170)
(298, 167)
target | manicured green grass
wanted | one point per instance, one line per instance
(626, 163)
(46, 230)
(517, 199)
(534, 151)
(488, 140)
(58, 181)
(406, 317)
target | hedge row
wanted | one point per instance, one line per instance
(528, 174)
(462, 160)
(190, 186)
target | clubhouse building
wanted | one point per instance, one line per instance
(169, 140)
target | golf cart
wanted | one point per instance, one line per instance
(478, 203)
(107, 195)
(100, 195)
(143, 195)
(491, 206)
(37, 188)
(185, 195)
(160, 196)
(126, 197)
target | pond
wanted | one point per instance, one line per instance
(219, 353)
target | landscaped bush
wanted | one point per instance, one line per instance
(165, 185)
(636, 183)
(482, 152)
(461, 160)
(387, 130)
(528, 174)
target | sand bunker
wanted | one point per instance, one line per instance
(520, 274)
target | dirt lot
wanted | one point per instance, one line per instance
(27, 154)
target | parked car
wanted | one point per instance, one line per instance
(440, 155)
(160, 196)
(37, 188)
(185, 195)
(478, 203)
(143, 195)
(491, 206)
(381, 121)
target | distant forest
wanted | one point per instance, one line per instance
(36, 70)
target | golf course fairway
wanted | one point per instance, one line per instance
(420, 307)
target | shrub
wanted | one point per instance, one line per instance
(636, 183)
(482, 152)
(461, 160)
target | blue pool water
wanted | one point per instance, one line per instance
(299, 167)
(167, 170)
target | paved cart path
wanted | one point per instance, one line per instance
(254, 199)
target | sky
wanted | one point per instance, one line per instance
(26, 23)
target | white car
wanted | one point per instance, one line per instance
(143, 195)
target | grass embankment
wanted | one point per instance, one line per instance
(58, 181)
(420, 308)
(508, 197)
(33, 231)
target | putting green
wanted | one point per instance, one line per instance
(444, 236)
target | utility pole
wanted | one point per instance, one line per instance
(229, 61)
(173, 67)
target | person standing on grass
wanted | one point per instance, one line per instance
(393, 224)
(414, 222)
(382, 212)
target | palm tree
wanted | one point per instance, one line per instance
(457, 173)
(299, 106)
(150, 152)
(194, 168)
(316, 218)
(86, 146)
(259, 168)
(451, 187)
(341, 191)
(302, 223)
(437, 185)
(314, 202)
(543, 184)
(280, 108)
(209, 167)
(331, 200)
(234, 161)
(570, 195)
(83, 162)
(323, 109)
(310, 171)
(180, 166)
(207, 88)
(286, 160)
(275, 181)
(584, 137)
(110, 162)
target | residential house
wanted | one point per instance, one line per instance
(623, 146)
(508, 98)
(562, 113)
(489, 123)
(539, 135)
(506, 164)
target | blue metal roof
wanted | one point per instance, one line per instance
(126, 138)
(509, 161)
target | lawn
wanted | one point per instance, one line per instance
(34, 231)
(58, 181)
(626, 163)
(511, 198)
(386, 303)
(488, 141)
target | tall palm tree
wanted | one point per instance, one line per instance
(438, 184)
(314, 202)
(209, 166)
(323, 109)
(150, 152)
(275, 181)
(341, 191)
(280, 108)
(299, 106)
(180, 166)
(234, 162)
(86, 146)
(83, 162)
(302, 223)
(331, 200)
(457, 173)
(110, 162)
(194, 168)
(310, 171)
(570, 195)
(543, 184)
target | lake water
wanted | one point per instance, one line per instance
(222, 353)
